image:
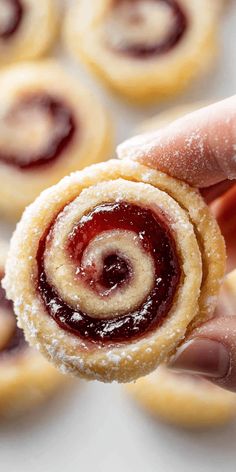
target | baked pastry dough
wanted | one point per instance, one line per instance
(27, 29)
(144, 49)
(113, 265)
(50, 125)
(183, 400)
(26, 378)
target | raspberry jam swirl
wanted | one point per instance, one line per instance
(42, 121)
(11, 15)
(11, 337)
(145, 28)
(116, 276)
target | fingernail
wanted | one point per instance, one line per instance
(203, 357)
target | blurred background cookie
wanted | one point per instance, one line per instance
(26, 378)
(183, 399)
(165, 117)
(50, 125)
(27, 28)
(144, 50)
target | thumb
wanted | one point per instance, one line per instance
(198, 148)
(211, 352)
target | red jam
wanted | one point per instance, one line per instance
(11, 27)
(155, 235)
(59, 114)
(172, 38)
(116, 271)
(17, 340)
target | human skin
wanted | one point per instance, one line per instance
(200, 148)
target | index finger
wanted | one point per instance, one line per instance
(199, 148)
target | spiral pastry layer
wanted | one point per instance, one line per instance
(26, 378)
(113, 265)
(20, 22)
(143, 49)
(183, 400)
(49, 115)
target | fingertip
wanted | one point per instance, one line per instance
(211, 353)
(199, 148)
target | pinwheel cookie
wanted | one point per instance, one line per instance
(113, 265)
(27, 28)
(50, 125)
(26, 378)
(144, 49)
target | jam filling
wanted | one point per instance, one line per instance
(16, 14)
(174, 35)
(60, 116)
(17, 340)
(155, 236)
(116, 271)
